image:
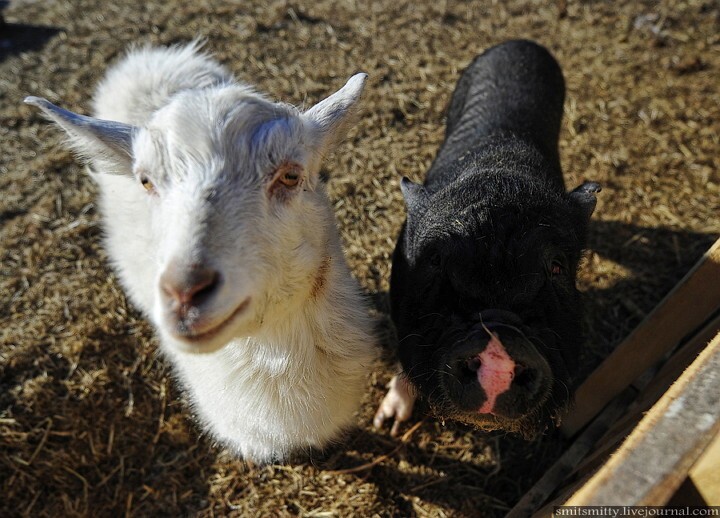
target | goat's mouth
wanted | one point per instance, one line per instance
(199, 336)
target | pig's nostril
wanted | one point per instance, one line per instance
(473, 364)
(525, 377)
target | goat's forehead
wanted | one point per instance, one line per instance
(223, 107)
(230, 127)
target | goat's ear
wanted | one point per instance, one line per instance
(585, 197)
(107, 143)
(415, 196)
(331, 118)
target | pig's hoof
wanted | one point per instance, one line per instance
(397, 404)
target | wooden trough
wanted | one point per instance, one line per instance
(646, 422)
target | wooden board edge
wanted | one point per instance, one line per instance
(618, 481)
(638, 352)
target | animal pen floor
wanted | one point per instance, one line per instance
(91, 422)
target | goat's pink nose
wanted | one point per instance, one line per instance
(188, 285)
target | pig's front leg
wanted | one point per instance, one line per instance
(397, 404)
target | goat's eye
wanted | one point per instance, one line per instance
(147, 184)
(286, 177)
(290, 178)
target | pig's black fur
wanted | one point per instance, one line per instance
(492, 242)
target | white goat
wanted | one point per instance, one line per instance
(222, 232)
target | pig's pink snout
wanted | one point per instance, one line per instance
(495, 372)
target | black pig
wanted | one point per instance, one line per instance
(482, 290)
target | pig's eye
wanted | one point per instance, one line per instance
(435, 259)
(557, 267)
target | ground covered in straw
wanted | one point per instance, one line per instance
(91, 422)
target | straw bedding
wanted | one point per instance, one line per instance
(91, 421)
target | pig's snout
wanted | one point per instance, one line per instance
(497, 373)
(499, 317)
(491, 377)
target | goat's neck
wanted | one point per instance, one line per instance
(327, 319)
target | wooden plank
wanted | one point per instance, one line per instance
(685, 308)
(652, 390)
(674, 367)
(705, 474)
(546, 511)
(559, 471)
(607, 431)
(657, 456)
(605, 447)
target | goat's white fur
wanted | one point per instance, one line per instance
(288, 372)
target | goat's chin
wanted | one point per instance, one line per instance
(212, 338)
(206, 346)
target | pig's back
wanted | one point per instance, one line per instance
(513, 92)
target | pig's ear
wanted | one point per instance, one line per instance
(585, 197)
(414, 194)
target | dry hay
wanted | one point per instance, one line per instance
(90, 420)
